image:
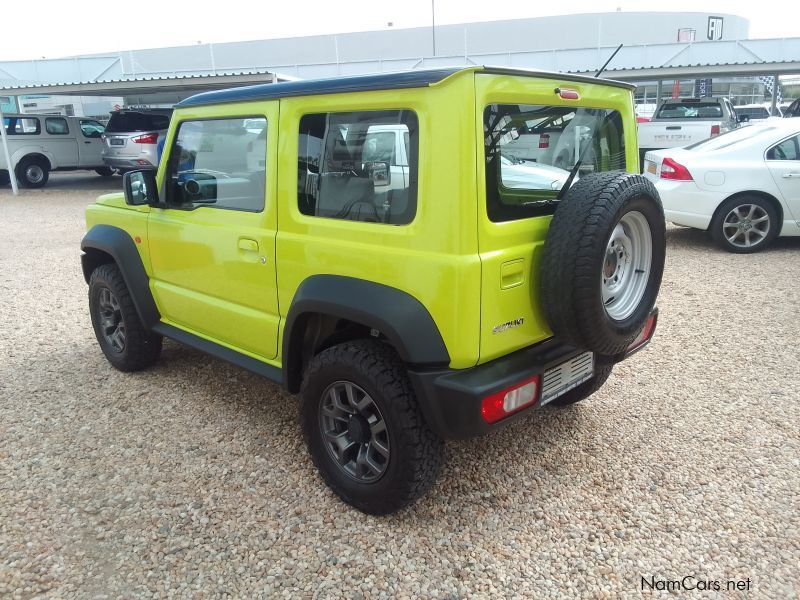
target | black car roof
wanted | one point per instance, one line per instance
(359, 83)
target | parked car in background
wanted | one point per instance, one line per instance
(743, 187)
(39, 144)
(793, 110)
(684, 121)
(131, 138)
(755, 112)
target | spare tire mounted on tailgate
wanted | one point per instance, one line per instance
(603, 261)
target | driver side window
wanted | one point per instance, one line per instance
(218, 163)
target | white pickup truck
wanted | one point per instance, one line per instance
(684, 121)
(39, 144)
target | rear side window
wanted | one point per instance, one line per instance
(786, 150)
(693, 110)
(531, 149)
(56, 126)
(124, 122)
(218, 163)
(359, 166)
(22, 125)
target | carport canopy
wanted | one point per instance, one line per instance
(140, 91)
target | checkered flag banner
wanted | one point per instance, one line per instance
(769, 83)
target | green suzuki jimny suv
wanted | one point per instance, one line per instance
(421, 256)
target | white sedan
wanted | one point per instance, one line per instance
(742, 186)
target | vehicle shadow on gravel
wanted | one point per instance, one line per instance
(697, 239)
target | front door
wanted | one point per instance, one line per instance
(212, 245)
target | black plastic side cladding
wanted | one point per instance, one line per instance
(116, 243)
(400, 317)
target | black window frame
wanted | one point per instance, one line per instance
(408, 117)
(47, 121)
(166, 192)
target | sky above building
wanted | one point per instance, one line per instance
(57, 29)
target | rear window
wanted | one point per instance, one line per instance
(690, 110)
(755, 112)
(530, 150)
(124, 122)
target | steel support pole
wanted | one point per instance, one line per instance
(4, 136)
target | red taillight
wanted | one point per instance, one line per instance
(148, 138)
(714, 130)
(544, 141)
(646, 333)
(510, 400)
(674, 170)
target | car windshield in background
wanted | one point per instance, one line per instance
(694, 110)
(123, 122)
(731, 138)
(530, 151)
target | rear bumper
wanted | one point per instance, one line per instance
(128, 163)
(451, 400)
(686, 204)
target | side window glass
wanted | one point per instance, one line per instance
(56, 126)
(348, 167)
(786, 150)
(22, 125)
(91, 129)
(220, 163)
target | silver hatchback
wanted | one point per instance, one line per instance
(131, 138)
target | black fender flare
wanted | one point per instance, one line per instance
(117, 244)
(396, 314)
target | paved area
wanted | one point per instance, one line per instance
(191, 479)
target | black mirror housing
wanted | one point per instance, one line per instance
(140, 187)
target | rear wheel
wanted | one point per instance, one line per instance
(104, 171)
(33, 172)
(364, 428)
(745, 224)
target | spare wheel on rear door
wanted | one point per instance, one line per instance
(603, 261)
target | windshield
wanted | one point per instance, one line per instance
(730, 138)
(690, 110)
(530, 150)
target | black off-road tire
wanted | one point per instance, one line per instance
(416, 452)
(584, 390)
(142, 348)
(574, 252)
(105, 171)
(23, 175)
(718, 234)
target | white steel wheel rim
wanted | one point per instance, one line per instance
(626, 266)
(746, 225)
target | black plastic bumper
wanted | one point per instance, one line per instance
(451, 399)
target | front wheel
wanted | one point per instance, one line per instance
(745, 224)
(128, 346)
(364, 428)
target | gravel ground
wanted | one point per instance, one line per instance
(191, 478)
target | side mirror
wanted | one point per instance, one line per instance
(140, 187)
(380, 172)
